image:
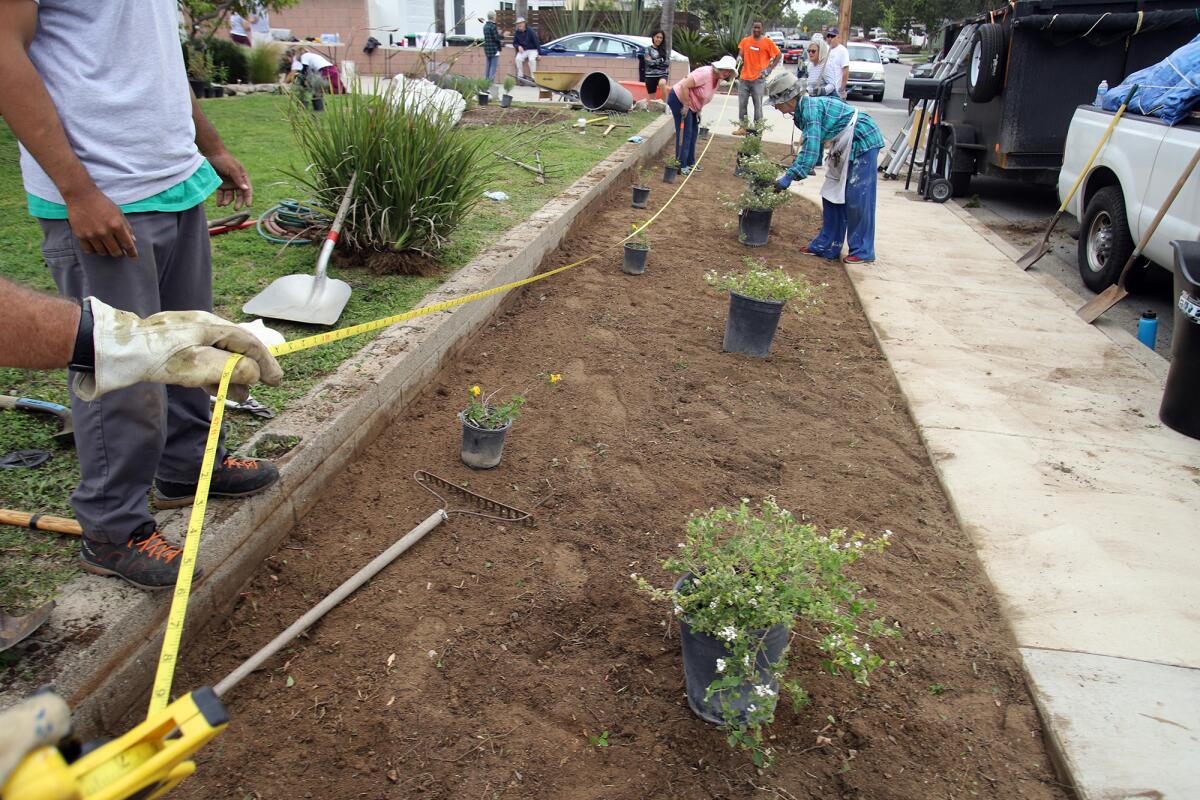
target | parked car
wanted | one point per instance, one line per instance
(796, 55)
(889, 49)
(1125, 187)
(866, 71)
(799, 40)
(592, 43)
(777, 37)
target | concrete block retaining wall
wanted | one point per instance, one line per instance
(106, 636)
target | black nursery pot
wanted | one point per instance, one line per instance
(700, 654)
(641, 194)
(635, 259)
(754, 226)
(318, 104)
(669, 174)
(483, 98)
(482, 448)
(751, 325)
(505, 100)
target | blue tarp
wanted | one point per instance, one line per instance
(1169, 90)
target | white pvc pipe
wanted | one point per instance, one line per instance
(331, 600)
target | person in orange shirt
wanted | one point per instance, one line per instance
(759, 56)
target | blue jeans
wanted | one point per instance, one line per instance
(492, 63)
(855, 217)
(685, 131)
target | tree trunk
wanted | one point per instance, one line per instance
(439, 16)
(668, 26)
(844, 21)
(522, 8)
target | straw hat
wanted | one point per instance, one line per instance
(782, 87)
(725, 62)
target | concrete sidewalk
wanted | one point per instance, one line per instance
(1085, 510)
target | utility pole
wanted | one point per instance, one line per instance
(844, 21)
(439, 16)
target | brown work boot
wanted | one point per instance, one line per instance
(234, 477)
(147, 560)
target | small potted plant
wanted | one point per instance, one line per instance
(220, 77)
(200, 72)
(670, 169)
(750, 146)
(506, 98)
(485, 424)
(746, 577)
(637, 248)
(755, 207)
(756, 300)
(641, 189)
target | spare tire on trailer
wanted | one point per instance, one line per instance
(985, 73)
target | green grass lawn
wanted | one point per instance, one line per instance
(33, 565)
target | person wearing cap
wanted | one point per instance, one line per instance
(848, 195)
(760, 56)
(526, 41)
(839, 62)
(687, 98)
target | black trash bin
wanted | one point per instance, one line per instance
(1180, 408)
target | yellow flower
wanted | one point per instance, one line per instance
(475, 391)
(555, 377)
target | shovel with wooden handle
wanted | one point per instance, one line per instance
(14, 630)
(1114, 294)
(1034, 254)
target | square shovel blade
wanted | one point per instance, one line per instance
(301, 298)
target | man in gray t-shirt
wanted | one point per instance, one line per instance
(117, 160)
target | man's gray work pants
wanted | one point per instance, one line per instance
(748, 89)
(130, 436)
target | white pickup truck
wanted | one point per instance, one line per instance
(1127, 184)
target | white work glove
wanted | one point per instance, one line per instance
(38, 721)
(187, 348)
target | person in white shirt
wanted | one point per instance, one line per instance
(306, 64)
(839, 62)
(260, 24)
(238, 29)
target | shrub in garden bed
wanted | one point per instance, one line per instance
(747, 577)
(418, 174)
(756, 300)
(761, 171)
(636, 250)
(262, 65)
(755, 207)
(485, 425)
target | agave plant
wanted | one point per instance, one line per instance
(696, 45)
(418, 174)
(734, 25)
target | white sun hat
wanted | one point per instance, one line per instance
(725, 62)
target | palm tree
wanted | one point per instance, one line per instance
(668, 24)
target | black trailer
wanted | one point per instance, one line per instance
(1026, 67)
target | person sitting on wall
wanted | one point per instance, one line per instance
(526, 41)
(308, 65)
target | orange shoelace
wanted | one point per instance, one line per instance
(233, 462)
(155, 546)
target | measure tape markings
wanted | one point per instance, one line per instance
(173, 635)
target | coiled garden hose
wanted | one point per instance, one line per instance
(293, 222)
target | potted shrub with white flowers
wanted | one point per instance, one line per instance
(756, 300)
(485, 424)
(754, 208)
(747, 578)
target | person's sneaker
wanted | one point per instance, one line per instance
(685, 171)
(147, 560)
(235, 477)
(857, 260)
(804, 251)
(739, 131)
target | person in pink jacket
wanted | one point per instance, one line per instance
(685, 100)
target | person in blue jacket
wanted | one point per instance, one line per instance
(526, 41)
(848, 196)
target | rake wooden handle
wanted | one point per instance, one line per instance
(40, 522)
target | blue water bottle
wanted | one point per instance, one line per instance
(1148, 329)
(1101, 90)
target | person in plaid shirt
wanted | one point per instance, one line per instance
(848, 196)
(491, 46)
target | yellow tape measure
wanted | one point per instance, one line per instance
(164, 675)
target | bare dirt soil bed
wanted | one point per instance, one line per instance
(504, 661)
(492, 113)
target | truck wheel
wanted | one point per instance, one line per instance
(1105, 242)
(985, 72)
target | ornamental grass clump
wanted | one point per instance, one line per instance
(761, 283)
(418, 174)
(262, 63)
(747, 571)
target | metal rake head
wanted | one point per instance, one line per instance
(498, 511)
